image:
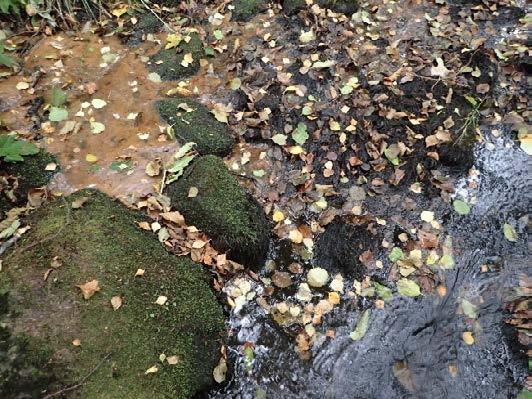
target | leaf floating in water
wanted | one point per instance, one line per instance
(57, 114)
(383, 292)
(461, 207)
(467, 336)
(468, 309)
(396, 254)
(509, 232)
(362, 326)
(408, 288)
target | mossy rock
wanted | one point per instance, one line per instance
(100, 241)
(30, 173)
(24, 367)
(244, 10)
(167, 63)
(198, 126)
(223, 209)
(341, 6)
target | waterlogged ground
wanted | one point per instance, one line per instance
(405, 122)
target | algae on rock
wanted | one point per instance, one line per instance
(100, 241)
(171, 64)
(223, 209)
(193, 122)
(30, 173)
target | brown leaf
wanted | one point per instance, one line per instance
(89, 288)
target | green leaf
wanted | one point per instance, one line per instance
(383, 292)
(209, 51)
(6, 60)
(299, 134)
(396, 254)
(468, 309)
(362, 326)
(447, 262)
(218, 34)
(509, 232)
(259, 173)
(59, 97)
(461, 207)
(182, 160)
(122, 166)
(10, 230)
(13, 150)
(57, 114)
(408, 288)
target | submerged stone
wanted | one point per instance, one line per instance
(144, 347)
(244, 10)
(175, 63)
(193, 122)
(341, 6)
(30, 173)
(339, 248)
(223, 209)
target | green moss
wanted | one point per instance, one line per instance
(341, 6)
(30, 173)
(198, 126)
(245, 9)
(100, 241)
(223, 209)
(167, 63)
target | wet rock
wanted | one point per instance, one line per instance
(169, 63)
(339, 248)
(178, 340)
(30, 173)
(193, 122)
(341, 6)
(245, 9)
(223, 209)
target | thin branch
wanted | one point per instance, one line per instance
(156, 16)
(79, 384)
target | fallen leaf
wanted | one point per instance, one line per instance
(76, 342)
(467, 336)
(89, 288)
(439, 70)
(139, 273)
(408, 288)
(98, 103)
(461, 207)
(97, 127)
(220, 371)
(161, 300)
(172, 360)
(509, 232)
(361, 327)
(116, 302)
(151, 370)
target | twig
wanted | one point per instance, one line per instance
(156, 16)
(79, 384)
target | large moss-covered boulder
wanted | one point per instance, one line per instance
(244, 10)
(171, 63)
(152, 327)
(193, 122)
(30, 173)
(341, 6)
(223, 209)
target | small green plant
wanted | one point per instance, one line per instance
(471, 120)
(13, 150)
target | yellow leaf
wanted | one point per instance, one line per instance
(120, 10)
(334, 298)
(173, 40)
(91, 158)
(161, 300)
(278, 216)
(76, 342)
(139, 273)
(151, 370)
(187, 60)
(89, 288)
(467, 336)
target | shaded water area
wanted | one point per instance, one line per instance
(413, 348)
(452, 341)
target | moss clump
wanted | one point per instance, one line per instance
(100, 241)
(223, 209)
(167, 63)
(341, 6)
(30, 173)
(198, 126)
(245, 9)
